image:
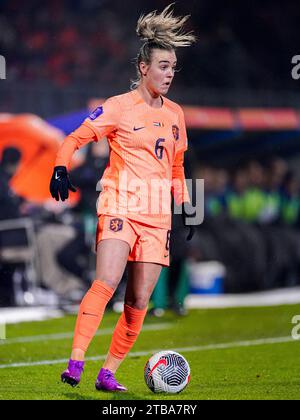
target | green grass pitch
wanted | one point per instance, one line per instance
(240, 353)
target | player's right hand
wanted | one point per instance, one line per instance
(60, 184)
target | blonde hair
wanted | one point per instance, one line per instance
(160, 31)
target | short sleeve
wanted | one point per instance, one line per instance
(105, 119)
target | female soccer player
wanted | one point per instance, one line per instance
(147, 138)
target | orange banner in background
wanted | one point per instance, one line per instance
(268, 119)
(209, 118)
(213, 118)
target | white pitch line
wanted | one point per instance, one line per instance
(66, 335)
(219, 346)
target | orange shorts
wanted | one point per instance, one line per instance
(147, 243)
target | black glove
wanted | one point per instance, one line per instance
(185, 216)
(60, 183)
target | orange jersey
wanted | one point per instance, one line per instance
(146, 153)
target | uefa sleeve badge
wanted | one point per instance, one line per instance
(96, 113)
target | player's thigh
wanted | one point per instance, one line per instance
(112, 255)
(142, 279)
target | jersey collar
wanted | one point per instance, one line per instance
(137, 98)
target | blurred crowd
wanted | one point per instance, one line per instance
(264, 192)
(94, 41)
(252, 221)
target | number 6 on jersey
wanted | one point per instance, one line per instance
(159, 150)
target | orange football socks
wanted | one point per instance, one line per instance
(126, 332)
(90, 314)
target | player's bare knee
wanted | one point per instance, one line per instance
(139, 304)
(111, 280)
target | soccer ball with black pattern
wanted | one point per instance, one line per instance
(167, 371)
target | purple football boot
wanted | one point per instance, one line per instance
(72, 374)
(106, 381)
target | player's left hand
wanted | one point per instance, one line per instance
(191, 228)
(60, 184)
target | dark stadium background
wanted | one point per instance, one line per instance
(63, 57)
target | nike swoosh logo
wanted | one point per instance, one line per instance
(160, 362)
(85, 313)
(137, 128)
(166, 255)
(56, 176)
(130, 335)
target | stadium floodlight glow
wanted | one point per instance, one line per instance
(2, 67)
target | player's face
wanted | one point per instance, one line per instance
(160, 72)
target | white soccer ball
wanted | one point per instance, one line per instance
(167, 371)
